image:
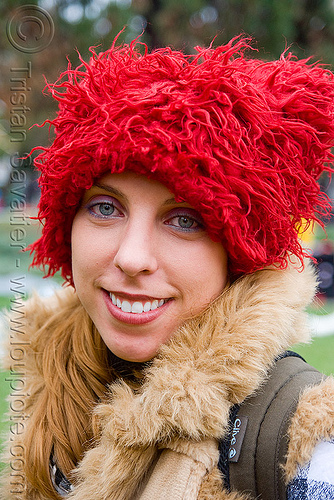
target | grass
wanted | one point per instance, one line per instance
(4, 302)
(4, 424)
(4, 391)
(319, 353)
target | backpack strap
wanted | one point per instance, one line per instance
(259, 441)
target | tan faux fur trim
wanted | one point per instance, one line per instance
(213, 362)
(312, 422)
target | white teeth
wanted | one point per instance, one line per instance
(137, 307)
(126, 306)
(147, 306)
(154, 305)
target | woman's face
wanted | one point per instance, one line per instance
(142, 263)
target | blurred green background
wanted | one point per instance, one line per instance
(305, 26)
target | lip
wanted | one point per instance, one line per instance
(131, 318)
(134, 297)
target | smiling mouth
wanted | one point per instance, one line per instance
(136, 307)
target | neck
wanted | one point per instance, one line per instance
(129, 370)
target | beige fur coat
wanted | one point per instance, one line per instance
(160, 442)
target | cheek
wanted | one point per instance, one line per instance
(217, 265)
(202, 272)
(79, 247)
(86, 251)
(210, 278)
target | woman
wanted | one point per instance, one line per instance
(172, 197)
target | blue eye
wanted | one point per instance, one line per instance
(185, 221)
(103, 208)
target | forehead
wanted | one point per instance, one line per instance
(130, 184)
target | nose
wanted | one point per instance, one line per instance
(135, 251)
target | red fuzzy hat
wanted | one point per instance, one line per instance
(242, 140)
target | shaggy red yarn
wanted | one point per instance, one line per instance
(242, 140)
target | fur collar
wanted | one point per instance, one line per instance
(212, 362)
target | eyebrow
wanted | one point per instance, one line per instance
(116, 192)
(172, 201)
(111, 190)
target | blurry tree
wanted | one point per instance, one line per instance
(307, 25)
